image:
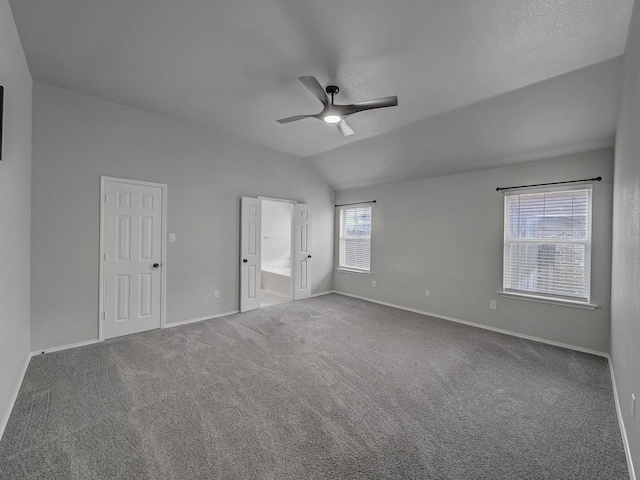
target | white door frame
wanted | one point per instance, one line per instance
(163, 233)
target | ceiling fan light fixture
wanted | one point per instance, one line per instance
(332, 119)
(333, 114)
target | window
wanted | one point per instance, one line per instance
(355, 238)
(547, 244)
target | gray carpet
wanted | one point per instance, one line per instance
(326, 388)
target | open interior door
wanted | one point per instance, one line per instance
(250, 258)
(302, 249)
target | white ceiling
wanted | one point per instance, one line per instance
(474, 78)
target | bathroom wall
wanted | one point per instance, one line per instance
(276, 231)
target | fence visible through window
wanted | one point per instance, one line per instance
(548, 243)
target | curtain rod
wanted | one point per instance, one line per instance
(596, 179)
(356, 203)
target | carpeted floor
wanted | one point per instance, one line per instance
(326, 388)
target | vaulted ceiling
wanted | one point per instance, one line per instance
(480, 82)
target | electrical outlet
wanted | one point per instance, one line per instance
(172, 237)
(216, 294)
(633, 406)
(493, 304)
(427, 293)
(373, 283)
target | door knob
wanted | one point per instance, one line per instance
(244, 260)
(308, 256)
(156, 265)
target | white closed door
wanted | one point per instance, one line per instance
(302, 251)
(250, 253)
(132, 258)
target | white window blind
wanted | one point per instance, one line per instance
(547, 243)
(355, 238)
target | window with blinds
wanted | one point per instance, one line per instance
(355, 238)
(547, 243)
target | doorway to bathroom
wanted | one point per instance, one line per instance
(275, 275)
(275, 251)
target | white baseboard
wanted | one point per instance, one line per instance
(322, 293)
(200, 319)
(5, 417)
(485, 327)
(64, 347)
(623, 431)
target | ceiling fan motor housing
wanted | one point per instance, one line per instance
(332, 89)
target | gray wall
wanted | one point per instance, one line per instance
(77, 138)
(15, 211)
(445, 234)
(625, 282)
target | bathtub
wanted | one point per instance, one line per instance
(276, 276)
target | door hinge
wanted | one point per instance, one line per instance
(104, 315)
(104, 257)
(105, 198)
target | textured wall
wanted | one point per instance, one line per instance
(15, 211)
(77, 138)
(445, 234)
(625, 287)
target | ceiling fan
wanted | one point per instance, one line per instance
(336, 114)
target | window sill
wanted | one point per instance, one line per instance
(549, 300)
(357, 272)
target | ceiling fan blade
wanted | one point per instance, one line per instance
(345, 129)
(314, 87)
(293, 119)
(368, 105)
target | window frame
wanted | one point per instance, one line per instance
(544, 297)
(341, 237)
